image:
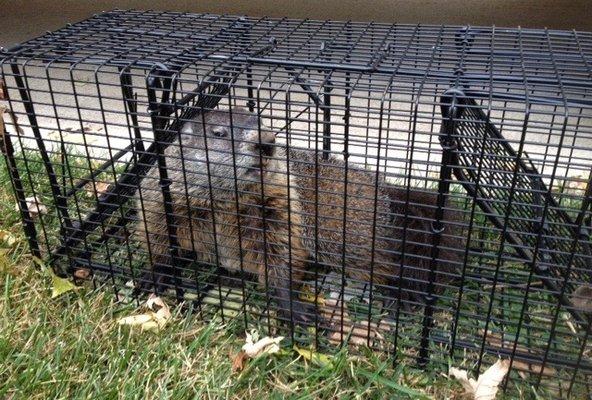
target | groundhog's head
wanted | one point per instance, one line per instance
(233, 144)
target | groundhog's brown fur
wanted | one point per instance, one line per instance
(287, 217)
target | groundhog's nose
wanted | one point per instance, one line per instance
(266, 145)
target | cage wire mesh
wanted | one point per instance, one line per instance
(422, 190)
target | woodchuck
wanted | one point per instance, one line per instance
(240, 197)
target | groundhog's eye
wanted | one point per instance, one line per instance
(220, 132)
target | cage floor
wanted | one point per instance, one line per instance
(348, 317)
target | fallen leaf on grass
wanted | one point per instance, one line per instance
(315, 357)
(254, 347)
(146, 322)
(154, 302)
(7, 238)
(34, 206)
(134, 320)
(462, 377)
(161, 311)
(239, 360)
(82, 273)
(156, 317)
(60, 286)
(487, 385)
(346, 296)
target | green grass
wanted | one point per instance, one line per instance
(72, 347)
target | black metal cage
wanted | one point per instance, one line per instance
(422, 190)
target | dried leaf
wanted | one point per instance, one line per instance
(154, 302)
(238, 362)
(155, 318)
(82, 273)
(134, 320)
(34, 206)
(60, 286)
(81, 82)
(7, 238)
(489, 381)
(150, 326)
(253, 348)
(467, 383)
(146, 322)
(267, 345)
(315, 357)
(163, 313)
(487, 385)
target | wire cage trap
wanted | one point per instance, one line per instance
(421, 190)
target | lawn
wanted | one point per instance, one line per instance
(71, 346)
